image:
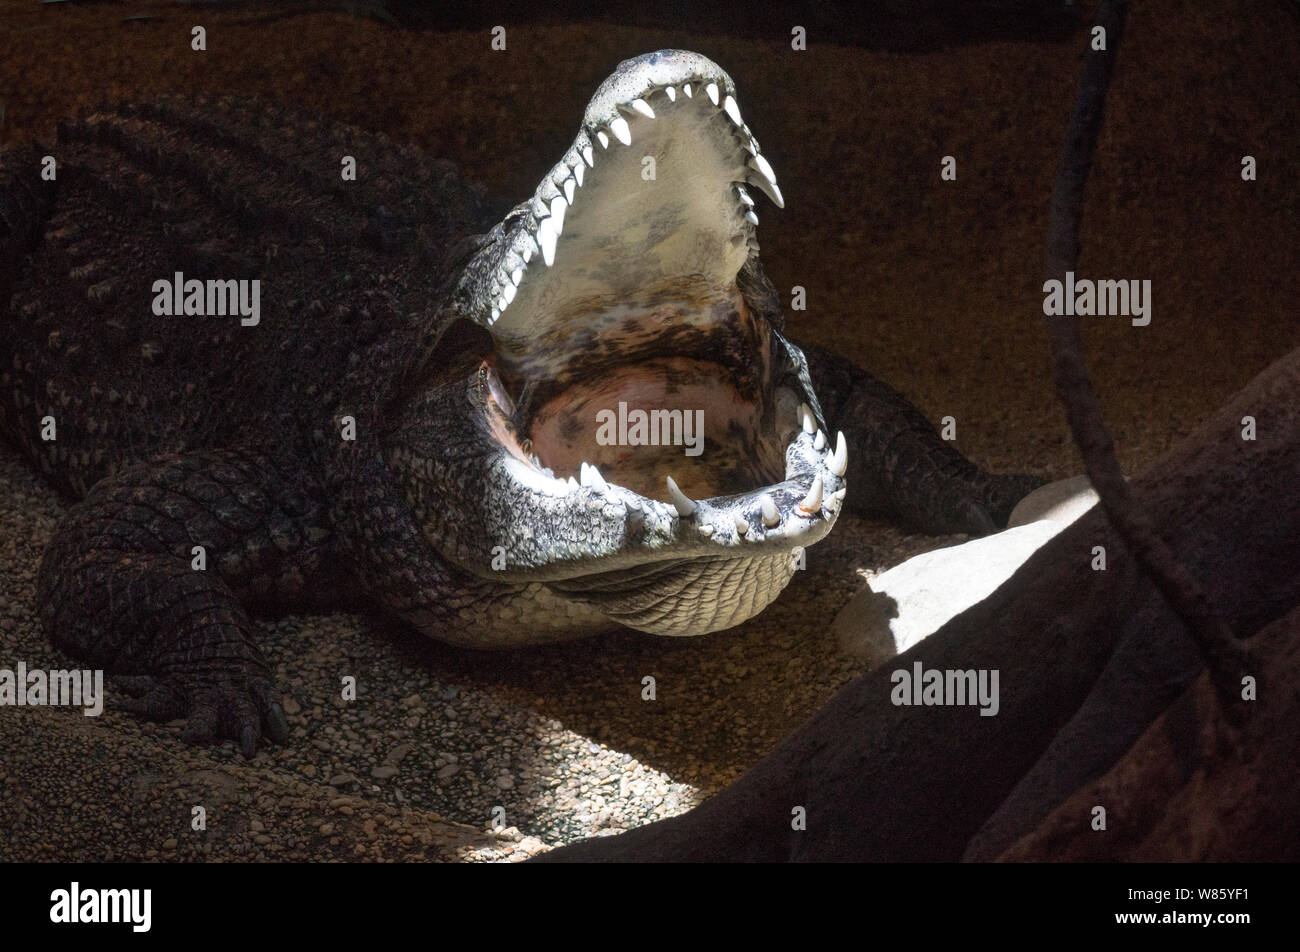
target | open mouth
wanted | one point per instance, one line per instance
(637, 358)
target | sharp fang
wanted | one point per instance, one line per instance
(686, 88)
(508, 295)
(589, 156)
(672, 93)
(681, 502)
(745, 196)
(813, 501)
(769, 189)
(495, 314)
(622, 133)
(840, 493)
(712, 90)
(592, 479)
(558, 205)
(729, 104)
(742, 527)
(546, 237)
(806, 419)
(643, 107)
(819, 442)
(771, 517)
(839, 461)
(579, 171)
(751, 218)
(761, 164)
(570, 186)
(516, 276)
(573, 483)
(603, 139)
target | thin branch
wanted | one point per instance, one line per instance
(1224, 654)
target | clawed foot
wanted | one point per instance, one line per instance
(240, 705)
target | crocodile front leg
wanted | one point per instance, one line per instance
(899, 465)
(122, 586)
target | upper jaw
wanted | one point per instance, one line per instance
(605, 223)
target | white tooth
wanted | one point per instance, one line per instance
(589, 155)
(672, 93)
(769, 189)
(604, 140)
(751, 218)
(516, 276)
(712, 90)
(686, 88)
(584, 474)
(806, 419)
(840, 493)
(762, 165)
(573, 483)
(579, 171)
(771, 517)
(733, 110)
(643, 107)
(681, 501)
(742, 527)
(839, 461)
(597, 481)
(546, 237)
(745, 196)
(530, 247)
(509, 294)
(495, 314)
(621, 132)
(570, 186)
(819, 442)
(558, 205)
(813, 501)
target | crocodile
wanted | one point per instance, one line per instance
(407, 419)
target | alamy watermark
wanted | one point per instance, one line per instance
(1086, 298)
(683, 428)
(74, 905)
(947, 687)
(208, 298)
(36, 687)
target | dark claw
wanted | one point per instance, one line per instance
(248, 741)
(277, 725)
(978, 520)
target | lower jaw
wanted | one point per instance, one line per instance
(719, 593)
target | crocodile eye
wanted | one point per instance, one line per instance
(488, 378)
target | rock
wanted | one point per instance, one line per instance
(1062, 501)
(383, 772)
(915, 598)
(342, 780)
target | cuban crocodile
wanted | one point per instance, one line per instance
(409, 421)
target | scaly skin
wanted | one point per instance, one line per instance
(177, 432)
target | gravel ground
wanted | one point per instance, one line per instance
(934, 286)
